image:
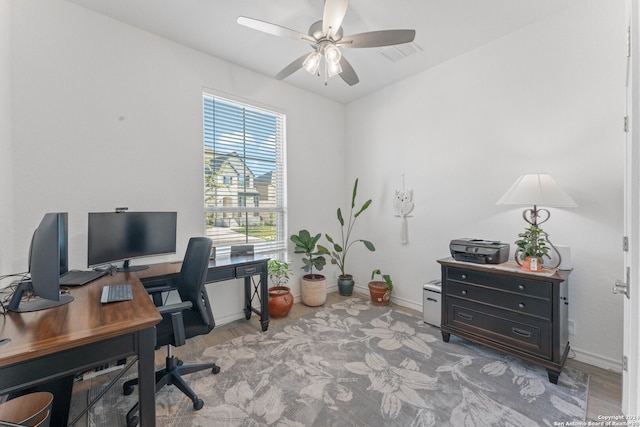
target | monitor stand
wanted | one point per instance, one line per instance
(18, 306)
(126, 268)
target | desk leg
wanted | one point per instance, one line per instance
(264, 301)
(147, 378)
(247, 298)
(263, 297)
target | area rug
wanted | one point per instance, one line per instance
(356, 364)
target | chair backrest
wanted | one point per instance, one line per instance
(193, 275)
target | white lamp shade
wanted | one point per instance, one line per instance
(537, 189)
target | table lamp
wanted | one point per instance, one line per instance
(537, 189)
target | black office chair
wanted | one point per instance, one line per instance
(189, 318)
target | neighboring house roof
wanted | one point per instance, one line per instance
(232, 160)
(264, 179)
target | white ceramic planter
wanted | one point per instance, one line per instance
(313, 291)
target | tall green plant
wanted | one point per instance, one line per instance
(341, 249)
(306, 244)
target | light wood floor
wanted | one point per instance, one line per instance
(605, 387)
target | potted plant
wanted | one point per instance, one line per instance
(280, 299)
(380, 290)
(313, 286)
(341, 249)
(532, 247)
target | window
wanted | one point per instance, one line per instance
(244, 174)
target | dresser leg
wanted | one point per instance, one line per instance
(446, 336)
(553, 376)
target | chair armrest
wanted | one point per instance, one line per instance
(158, 289)
(175, 308)
(177, 322)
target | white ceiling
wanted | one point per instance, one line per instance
(444, 29)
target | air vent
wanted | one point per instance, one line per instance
(399, 52)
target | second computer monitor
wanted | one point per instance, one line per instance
(122, 236)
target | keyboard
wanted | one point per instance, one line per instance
(115, 293)
(79, 278)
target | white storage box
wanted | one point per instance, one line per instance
(431, 305)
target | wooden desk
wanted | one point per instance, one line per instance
(59, 342)
(222, 269)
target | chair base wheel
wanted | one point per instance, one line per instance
(132, 422)
(198, 404)
(127, 390)
(215, 369)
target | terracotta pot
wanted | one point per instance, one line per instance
(280, 301)
(380, 294)
(532, 264)
(313, 289)
(345, 285)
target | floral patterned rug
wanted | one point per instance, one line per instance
(355, 364)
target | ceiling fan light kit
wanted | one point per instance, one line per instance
(326, 39)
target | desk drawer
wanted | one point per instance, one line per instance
(250, 270)
(515, 284)
(530, 335)
(510, 301)
(220, 274)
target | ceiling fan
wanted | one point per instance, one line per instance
(326, 38)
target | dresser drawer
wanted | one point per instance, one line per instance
(530, 335)
(250, 270)
(518, 303)
(536, 288)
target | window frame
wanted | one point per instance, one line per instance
(274, 210)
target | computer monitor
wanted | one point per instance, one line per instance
(122, 236)
(48, 242)
(63, 243)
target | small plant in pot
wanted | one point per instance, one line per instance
(313, 286)
(532, 248)
(280, 298)
(341, 248)
(380, 290)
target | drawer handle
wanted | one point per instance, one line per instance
(464, 292)
(521, 332)
(464, 276)
(521, 287)
(250, 270)
(521, 305)
(431, 299)
(465, 316)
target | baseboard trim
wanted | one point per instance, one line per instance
(596, 360)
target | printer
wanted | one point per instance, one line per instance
(479, 251)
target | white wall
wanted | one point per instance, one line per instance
(6, 187)
(547, 98)
(107, 115)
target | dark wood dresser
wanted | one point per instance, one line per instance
(508, 309)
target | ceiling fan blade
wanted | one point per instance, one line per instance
(378, 38)
(273, 29)
(348, 74)
(334, 11)
(291, 68)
